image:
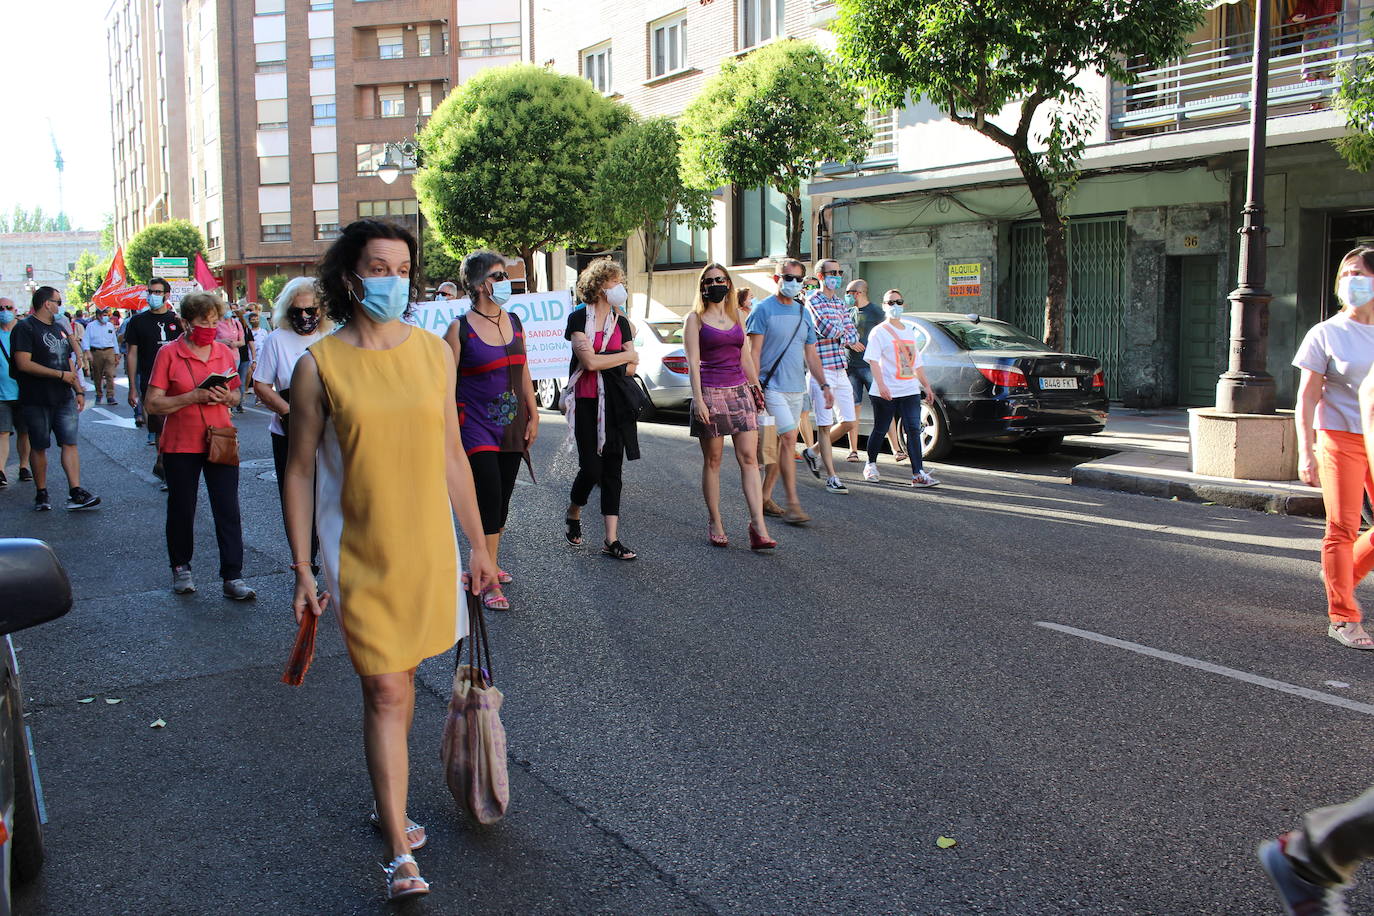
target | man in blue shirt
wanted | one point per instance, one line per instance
(11, 418)
(784, 343)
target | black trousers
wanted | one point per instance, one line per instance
(493, 478)
(281, 446)
(595, 470)
(222, 483)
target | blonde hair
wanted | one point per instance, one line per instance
(287, 297)
(594, 279)
(731, 301)
(199, 305)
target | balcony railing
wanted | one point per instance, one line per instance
(1211, 83)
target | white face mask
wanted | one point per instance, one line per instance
(617, 295)
(1355, 291)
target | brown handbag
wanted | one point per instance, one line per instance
(474, 742)
(222, 445)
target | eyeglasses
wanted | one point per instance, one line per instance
(715, 281)
(498, 276)
(895, 302)
(832, 273)
(786, 277)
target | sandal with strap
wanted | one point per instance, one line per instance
(1338, 632)
(853, 456)
(618, 550)
(412, 828)
(493, 599)
(418, 885)
(503, 577)
(574, 533)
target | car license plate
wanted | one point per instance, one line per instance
(1071, 383)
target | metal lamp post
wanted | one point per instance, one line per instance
(1245, 387)
(393, 159)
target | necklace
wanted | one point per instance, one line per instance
(496, 320)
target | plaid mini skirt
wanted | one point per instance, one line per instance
(732, 411)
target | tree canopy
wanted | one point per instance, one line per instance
(175, 238)
(986, 62)
(508, 159)
(1355, 99)
(772, 119)
(269, 287)
(86, 278)
(35, 220)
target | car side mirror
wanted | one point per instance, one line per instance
(34, 585)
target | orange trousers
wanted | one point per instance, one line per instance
(1347, 556)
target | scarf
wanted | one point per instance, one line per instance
(569, 399)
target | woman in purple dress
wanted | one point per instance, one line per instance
(725, 391)
(496, 410)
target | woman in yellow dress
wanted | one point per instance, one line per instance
(376, 457)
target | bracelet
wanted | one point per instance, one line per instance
(301, 563)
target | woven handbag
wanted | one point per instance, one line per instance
(474, 743)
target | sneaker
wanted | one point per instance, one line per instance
(4, 481)
(25, 474)
(163, 486)
(238, 590)
(79, 498)
(1300, 897)
(835, 485)
(40, 502)
(111, 402)
(922, 479)
(813, 461)
(152, 439)
(182, 583)
(871, 472)
(773, 509)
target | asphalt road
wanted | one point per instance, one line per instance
(709, 730)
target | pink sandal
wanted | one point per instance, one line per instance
(494, 600)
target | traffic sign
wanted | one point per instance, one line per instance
(171, 267)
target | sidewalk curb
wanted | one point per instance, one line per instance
(1235, 496)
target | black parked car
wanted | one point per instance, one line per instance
(35, 589)
(996, 383)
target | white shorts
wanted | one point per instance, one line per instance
(784, 407)
(838, 380)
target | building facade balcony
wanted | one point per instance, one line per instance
(369, 71)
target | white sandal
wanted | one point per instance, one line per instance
(392, 878)
(411, 828)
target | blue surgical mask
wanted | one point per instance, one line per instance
(6, 316)
(440, 297)
(790, 288)
(384, 298)
(850, 301)
(833, 283)
(154, 300)
(500, 291)
(894, 312)
(1356, 291)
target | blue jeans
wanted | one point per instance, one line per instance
(909, 409)
(860, 380)
(46, 422)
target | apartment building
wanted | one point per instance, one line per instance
(656, 56)
(292, 107)
(1152, 231)
(147, 121)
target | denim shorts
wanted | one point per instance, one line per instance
(12, 418)
(48, 421)
(860, 380)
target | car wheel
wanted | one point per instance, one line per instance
(1040, 445)
(546, 393)
(26, 850)
(935, 442)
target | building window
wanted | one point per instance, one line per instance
(317, 6)
(390, 44)
(276, 227)
(370, 155)
(681, 247)
(596, 66)
(425, 40)
(761, 224)
(492, 40)
(274, 170)
(669, 44)
(271, 114)
(391, 102)
(402, 212)
(271, 56)
(883, 123)
(326, 224)
(321, 53)
(323, 111)
(326, 167)
(212, 234)
(268, 7)
(760, 21)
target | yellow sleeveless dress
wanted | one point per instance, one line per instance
(387, 539)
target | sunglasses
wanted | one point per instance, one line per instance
(895, 302)
(715, 281)
(786, 277)
(498, 276)
(832, 273)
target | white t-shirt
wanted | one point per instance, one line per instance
(1342, 350)
(281, 350)
(894, 353)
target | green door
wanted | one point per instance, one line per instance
(915, 277)
(1197, 332)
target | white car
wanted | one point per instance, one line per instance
(662, 367)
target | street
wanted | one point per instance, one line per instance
(710, 730)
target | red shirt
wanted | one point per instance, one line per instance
(177, 370)
(586, 384)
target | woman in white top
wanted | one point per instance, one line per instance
(1335, 357)
(899, 385)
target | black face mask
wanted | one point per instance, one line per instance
(304, 323)
(715, 293)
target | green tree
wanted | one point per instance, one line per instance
(509, 158)
(107, 234)
(1355, 99)
(639, 188)
(175, 238)
(438, 262)
(771, 119)
(269, 287)
(1014, 60)
(86, 277)
(24, 220)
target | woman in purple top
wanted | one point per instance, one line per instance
(496, 415)
(724, 388)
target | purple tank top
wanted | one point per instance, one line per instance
(720, 356)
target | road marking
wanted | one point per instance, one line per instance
(114, 419)
(1257, 680)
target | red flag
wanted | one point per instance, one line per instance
(114, 293)
(203, 276)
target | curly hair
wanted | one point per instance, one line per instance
(474, 269)
(341, 261)
(201, 305)
(598, 275)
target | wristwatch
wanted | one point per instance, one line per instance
(823, 387)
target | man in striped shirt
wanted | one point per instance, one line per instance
(834, 332)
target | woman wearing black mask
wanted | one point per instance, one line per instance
(725, 395)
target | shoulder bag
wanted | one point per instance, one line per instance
(221, 442)
(473, 750)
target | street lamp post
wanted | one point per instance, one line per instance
(1245, 387)
(393, 160)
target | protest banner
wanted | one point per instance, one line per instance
(543, 315)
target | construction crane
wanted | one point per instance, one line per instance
(57, 153)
